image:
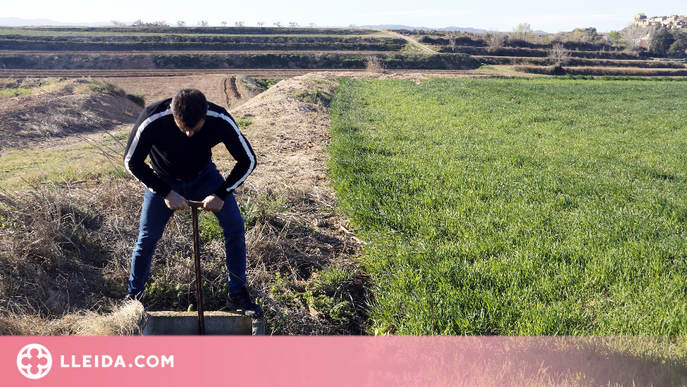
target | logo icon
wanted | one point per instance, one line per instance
(34, 361)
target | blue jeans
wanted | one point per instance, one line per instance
(154, 217)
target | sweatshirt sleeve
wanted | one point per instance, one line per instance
(137, 150)
(240, 150)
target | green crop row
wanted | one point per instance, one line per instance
(517, 207)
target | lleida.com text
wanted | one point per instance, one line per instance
(106, 361)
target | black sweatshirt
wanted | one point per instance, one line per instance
(174, 155)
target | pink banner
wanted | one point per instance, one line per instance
(325, 361)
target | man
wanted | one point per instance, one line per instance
(178, 134)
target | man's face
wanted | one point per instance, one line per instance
(190, 132)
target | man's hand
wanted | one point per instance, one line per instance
(175, 201)
(213, 203)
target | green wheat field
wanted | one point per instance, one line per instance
(516, 206)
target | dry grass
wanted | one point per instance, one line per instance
(124, 320)
(60, 245)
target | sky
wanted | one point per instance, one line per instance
(501, 15)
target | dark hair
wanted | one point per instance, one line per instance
(189, 107)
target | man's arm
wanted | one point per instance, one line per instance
(240, 150)
(137, 150)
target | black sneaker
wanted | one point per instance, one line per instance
(242, 301)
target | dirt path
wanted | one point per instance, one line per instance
(231, 90)
(412, 42)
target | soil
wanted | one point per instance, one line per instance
(158, 88)
(53, 119)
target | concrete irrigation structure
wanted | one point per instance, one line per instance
(216, 323)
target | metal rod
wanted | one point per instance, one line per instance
(196, 252)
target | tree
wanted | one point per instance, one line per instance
(277, 24)
(523, 31)
(494, 40)
(138, 23)
(634, 35)
(679, 46)
(239, 24)
(311, 25)
(117, 23)
(592, 33)
(223, 23)
(615, 37)
(559, 53)
(660, 40)
(261, 24)
(203, 23)
(181, 23)
(293, 24)
(453, 43)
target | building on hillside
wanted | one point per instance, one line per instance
(639, 19)
(673, 21)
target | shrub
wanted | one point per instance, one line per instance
(137, 98)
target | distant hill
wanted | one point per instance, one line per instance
(403, 27)
(461, 29)
(19, 22)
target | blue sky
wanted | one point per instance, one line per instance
(502, 15)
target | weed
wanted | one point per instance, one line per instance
(323, 295)
(98, 86)
(209, 228)
(265, 83)
(244, 122)
(137, 98)
(16, 92)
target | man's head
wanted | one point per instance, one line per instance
(189, 108)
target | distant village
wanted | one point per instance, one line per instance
(674, 21)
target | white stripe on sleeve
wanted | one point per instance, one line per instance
(243, 143)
